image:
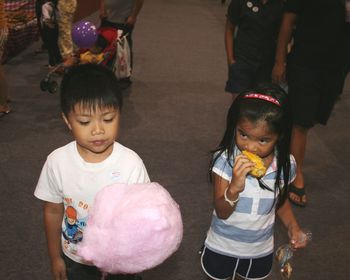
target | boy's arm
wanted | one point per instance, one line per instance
(131, 20)
(229, 41)
(53, 215)
(284, 36)
(287, 217)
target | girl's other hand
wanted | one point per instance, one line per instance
(241, 168)
(299, 238)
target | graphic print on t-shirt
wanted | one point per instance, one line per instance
(73, 225)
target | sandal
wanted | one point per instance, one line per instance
(4, 110)
(300, 193)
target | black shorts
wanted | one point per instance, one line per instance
(221, 267)
(78, 271)
(313, 92)
(244, 75)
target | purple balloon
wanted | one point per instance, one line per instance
(84, 34)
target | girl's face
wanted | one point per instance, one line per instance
(94, 130)
(255, 137)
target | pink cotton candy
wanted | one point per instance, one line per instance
(131, 228)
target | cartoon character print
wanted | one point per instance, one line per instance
(72, 231)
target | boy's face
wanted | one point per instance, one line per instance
(94, 129)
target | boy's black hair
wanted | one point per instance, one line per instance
(278, 119)
(91, 85)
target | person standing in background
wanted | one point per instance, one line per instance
(49, 31)
(250, 40)
(315, 70)
(121, 14)
(66, 10)
(4, 106)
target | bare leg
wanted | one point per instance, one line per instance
(298, 147)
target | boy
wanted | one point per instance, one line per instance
(73, 174)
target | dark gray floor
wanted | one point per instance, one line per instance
(174, 114)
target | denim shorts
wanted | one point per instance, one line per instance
(221, 267)
(245, 74)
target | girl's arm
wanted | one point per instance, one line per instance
(53, 215)
(229, 38)
(131, 20)
(240, 170)
(284, 36)
(287, 217)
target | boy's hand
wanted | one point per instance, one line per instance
(241, 168)
(58, 268)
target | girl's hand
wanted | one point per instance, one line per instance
(298, 238)
(58, 268)
(241, 168)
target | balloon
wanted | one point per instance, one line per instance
(84, 34)
(131, 228)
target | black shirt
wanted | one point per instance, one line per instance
(258, 26)
(320, 32)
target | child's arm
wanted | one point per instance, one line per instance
(53, 215)
(131, 20)
(229, 41)
(287, 217)
(284, 36)
(241, 168)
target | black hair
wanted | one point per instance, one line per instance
(278, 119)
(92, 85)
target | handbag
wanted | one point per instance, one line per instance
(122, 63)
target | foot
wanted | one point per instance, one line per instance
(4, 110)
(40, 49)
(297, 195)
(69, 62)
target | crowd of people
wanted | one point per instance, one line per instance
(286, 70)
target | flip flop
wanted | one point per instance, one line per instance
(297, 192)
(2, 114)
(5, 109)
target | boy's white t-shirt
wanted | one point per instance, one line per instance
(66, 178)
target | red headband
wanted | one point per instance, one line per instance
(263, 97)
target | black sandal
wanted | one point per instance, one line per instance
(300, 193)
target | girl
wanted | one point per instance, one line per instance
(240, 239)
